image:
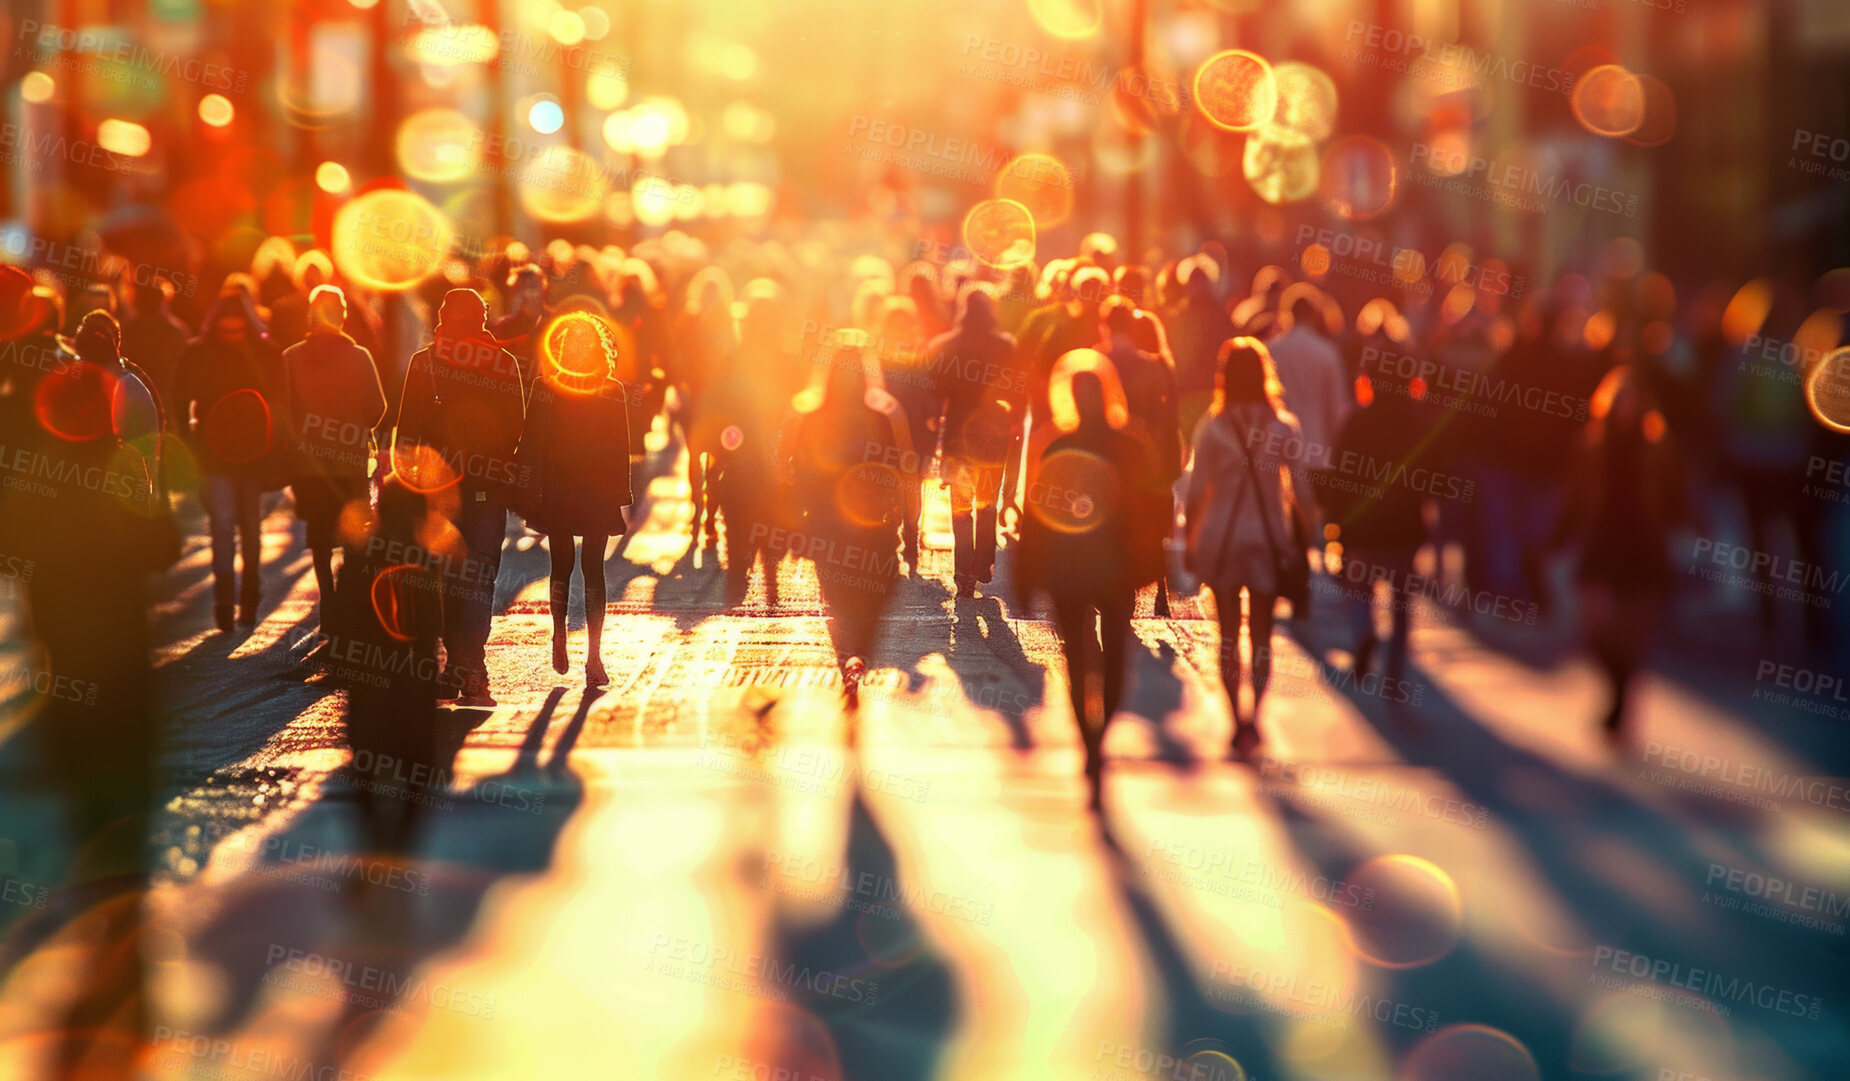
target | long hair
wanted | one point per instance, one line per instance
(1247, 376)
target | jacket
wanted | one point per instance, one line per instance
(332, 402)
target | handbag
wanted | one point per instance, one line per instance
(1291, 568)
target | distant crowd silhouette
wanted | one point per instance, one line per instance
(1120, 429)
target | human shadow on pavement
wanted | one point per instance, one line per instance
(978, 645)
(869, 975)
(1198, 1030)
(1600, 847)
(318, 917)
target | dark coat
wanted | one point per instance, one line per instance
(465, 397)
(332, 402)
(1386, 518)
(1095, 518)
(578, 446)
(981, 382)
(233, 395)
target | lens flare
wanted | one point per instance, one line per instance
(237, 426)
(1212, 150)
(1236, 90)
(76, 403)
(1040, 183)
(395, 598)
(1000, 232)
(1609, 101)
(575, 353)
(868, 494)
(390, 239)
(420, 467)
(1063, 410)
(1074, 491)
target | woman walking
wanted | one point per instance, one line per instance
(577, 443)
(1247, 522)
(1091, 538)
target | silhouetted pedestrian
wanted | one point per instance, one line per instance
(459, 423)
(577, 443)
(332, 402)
(1091, 538)
(229, 390)
(982, 386)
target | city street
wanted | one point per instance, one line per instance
(690, 873)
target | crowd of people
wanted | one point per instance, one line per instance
(1121, 429)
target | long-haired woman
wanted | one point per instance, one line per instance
(1091, 538)
(1246, 515)
(577, 441)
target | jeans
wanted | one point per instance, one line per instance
(469, 581)
(233, 506)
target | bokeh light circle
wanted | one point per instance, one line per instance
(390, 239)
(1236, 90)
(1469, 1053)
(1359, 178)
(572, 356)
(216, 110)
(1280, 164)
(37, 87)
(868, 494)
(1417, 916)
(1827, 390)
(1000, 232)
(439, 145)
(1609, 101)
(1306, 100)
(1075, 491)
(1659, 122)
(563, 184)
(1040, 183)
(1071, 19)
(333, 178)
(546, 116)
